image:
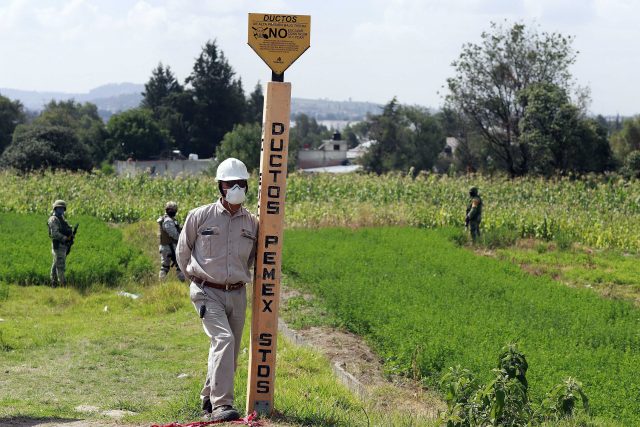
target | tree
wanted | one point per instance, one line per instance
(627, 139)
(161, 84)
(307, 132)
(83, 120)
(406, 137)
(490, 75)
(243, 143)
(356, 133)
(632, 164)
(255, 105)
(219, 99)
(11, 115)
(172, 106)
(136, 134)
(426, 139)
(558, 137)
(470, 154)
(44, 146)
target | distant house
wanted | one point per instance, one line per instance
(332, 152)
(168, 167)
(359, 151)
(451, 145)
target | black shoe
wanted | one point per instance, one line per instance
(206, 406)
(223, 413)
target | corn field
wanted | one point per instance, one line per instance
(598, 211)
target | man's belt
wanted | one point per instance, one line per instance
(227, 287)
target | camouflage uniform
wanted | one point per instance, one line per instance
(474, 213)
(169, 233)
(59, 232)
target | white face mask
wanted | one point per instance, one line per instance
(235, 195)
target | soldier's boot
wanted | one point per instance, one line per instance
(162, 275)
(61, 279)
(181, 276)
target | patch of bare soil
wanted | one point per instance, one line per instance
(362, 371)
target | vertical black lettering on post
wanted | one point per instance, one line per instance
(264, 371)
(270, 240)
(273, 191)
(267, 289)
(275, 147)
(273, 163)
(265, 339)
(273, 207)
(269, 258)
(263, 387)
(264, 352)
(268, 274)
(277, 128)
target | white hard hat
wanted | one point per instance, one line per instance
(231, 169)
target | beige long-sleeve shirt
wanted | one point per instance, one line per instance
(216, 246)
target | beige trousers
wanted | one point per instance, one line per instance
(223, 323)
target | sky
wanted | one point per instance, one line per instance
(363, 50)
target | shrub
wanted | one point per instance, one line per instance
(505, 400)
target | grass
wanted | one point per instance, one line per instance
(425, 304)
(99, 255)
(113, 352)
(611, 273)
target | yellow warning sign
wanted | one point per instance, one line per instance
(279, 39)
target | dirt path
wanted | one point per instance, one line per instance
(362, 371)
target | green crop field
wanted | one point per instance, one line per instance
(425, 305)
(597, 211)
(98, 256)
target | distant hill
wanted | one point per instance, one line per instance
(115, 97)
(324, 109)
(109, 98)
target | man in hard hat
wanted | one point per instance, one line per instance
(474, 213)
(216, 250)
(169, 233)
(61, 235)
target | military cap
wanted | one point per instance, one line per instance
(59, 204)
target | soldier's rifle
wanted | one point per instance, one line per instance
(174, 258)
(72, 238)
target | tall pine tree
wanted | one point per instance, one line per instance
(219, 100)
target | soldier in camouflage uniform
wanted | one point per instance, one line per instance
(169, 233)
(61, 234)
(474, 213)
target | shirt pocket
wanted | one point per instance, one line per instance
(246, 244)
(209, 241)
